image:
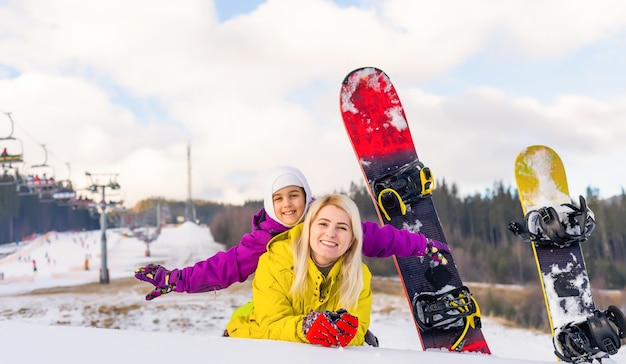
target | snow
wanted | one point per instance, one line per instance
(62, 313)
(568, 308)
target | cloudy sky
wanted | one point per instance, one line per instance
(124, 86)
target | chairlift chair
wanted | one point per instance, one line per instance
(11, 149)
(41, 179)
(11, 157)
(8, 176)
(80, 202)
(65, 192)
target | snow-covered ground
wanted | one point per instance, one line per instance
(61, 313)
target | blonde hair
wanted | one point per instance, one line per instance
(351, 269)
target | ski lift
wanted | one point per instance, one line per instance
(10, 176)
(115, 199)
(11, 156)
(12, 150)
(65, 193)
(103, 205)
(40, 179)
(81, 202)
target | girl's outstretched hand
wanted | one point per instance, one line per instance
(158, 276)
(434, 250)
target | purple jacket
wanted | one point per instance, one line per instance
(240, 261)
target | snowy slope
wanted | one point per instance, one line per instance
(98, 323)
(87, 345)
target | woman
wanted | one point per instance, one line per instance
(311, 285)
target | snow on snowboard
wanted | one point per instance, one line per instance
(445, 312)
(555, 227)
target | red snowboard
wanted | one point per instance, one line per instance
(399, 185)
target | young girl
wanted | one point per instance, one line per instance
(311, 285)
(288, 197)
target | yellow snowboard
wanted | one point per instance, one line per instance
(541, 182)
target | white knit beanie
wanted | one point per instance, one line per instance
(280, 177)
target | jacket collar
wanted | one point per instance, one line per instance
(262, 221)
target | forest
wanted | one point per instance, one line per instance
(476, 229)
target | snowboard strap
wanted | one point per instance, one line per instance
(472, 321)
(391, 203)
(548, 227)
(572, 345)
(401, 187)
(454, 308)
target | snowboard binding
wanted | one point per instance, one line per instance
(593, 339)
(562, 226)
(456, 308)
(408, 184)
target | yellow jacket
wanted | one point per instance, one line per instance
(274, 314)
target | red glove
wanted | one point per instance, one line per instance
(319, 328)
(347, 325)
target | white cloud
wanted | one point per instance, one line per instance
(123, 87)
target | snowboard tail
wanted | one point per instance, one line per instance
(400, 187)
